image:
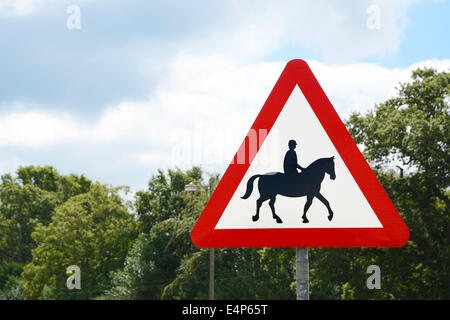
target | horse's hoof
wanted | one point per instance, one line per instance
(255, 218)
(330, 216)
(279, 220)
(305, 220)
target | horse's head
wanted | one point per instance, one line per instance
(330, 168)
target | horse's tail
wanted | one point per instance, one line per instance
(250, 186)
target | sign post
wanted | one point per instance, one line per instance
(302, 273)
(211, 273)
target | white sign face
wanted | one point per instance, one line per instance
(298, 122)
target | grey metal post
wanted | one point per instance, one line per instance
(302, 273)
(211, 274)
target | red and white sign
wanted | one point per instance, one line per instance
(330, 198)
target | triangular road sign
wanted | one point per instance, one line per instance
(314, 191)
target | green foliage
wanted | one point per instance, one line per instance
(165, 197)
(413, 128)
(131, 281)
(240, 273)
(164, 264)
(94, 231)
(166, 214)
(10, 281)
(29, 199)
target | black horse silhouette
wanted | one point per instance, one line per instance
(306, 183)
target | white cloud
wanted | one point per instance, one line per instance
(248, 29)
(198, 115)
(23, 8)
(18, 7)
(359, 86)
(35, 129)
(26, 8)
(338, 30)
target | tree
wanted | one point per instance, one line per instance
(164, 263)
(166, 214)
(29, 199)
(165, 197)
(10, 281)
(406, 141)
(93, 231)
(240, 273)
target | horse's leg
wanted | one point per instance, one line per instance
(259, 202)
(308, 203)
(327, 204)
(272, 206)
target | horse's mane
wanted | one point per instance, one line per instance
(319, 162)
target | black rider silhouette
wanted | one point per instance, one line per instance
(290, 164)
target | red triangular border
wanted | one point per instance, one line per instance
(394, 232)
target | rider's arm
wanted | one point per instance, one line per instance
(296, 161)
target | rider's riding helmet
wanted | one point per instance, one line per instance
(292, 144)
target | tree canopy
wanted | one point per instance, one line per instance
(93, 231)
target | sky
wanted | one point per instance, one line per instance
(116, 89)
